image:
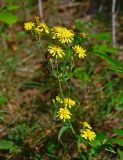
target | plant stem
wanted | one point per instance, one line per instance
(72, 129)
(60, 87)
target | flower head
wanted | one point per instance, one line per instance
(42, 28)
(86, 125)
(88, 134)
(64, 114)
(58, 99)
(79, 50)
(62, 34)
(28, 26)
(68, 102)
(83, 35)
(56, 51)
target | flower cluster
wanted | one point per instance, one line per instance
(38, 27)
(86, 132)
(61, 35)
(64, 112)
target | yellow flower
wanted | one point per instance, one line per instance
(38, 30)
(62, 34)
(42, 28)
(88, 134)
(79, 50)
(86, 125)
(64, 114)
(68, 102)
(58, 99)
(83, 34)
(28, 26)
(56, 51)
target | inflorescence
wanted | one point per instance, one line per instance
(61, 39)
(59, 36)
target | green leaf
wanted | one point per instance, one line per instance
(8, 18)
(118, 131)
(101, 36)
(110, 149)
(104, 49)
(12, 7)
(61, 131)
(119, 99)
(99, 140)
(83, 156)
(114, 64)
(100, 136)
(95, 143)
(120, 154)
(118, 141)
(6, 144)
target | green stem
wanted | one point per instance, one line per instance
(71, 67)
(72, 129)
(60, 87)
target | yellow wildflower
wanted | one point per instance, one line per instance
(62, 34)
(86, 125)
(83, 34)
(68, 102)
(79, 50)
(56, 51)
(38, 30)
(58, 99)
(88, 134)
(64, 114)
(42, 28)
(28, 26)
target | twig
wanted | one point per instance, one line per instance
(40, 10)
(113, 23)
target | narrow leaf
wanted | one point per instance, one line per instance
(119, 99)
(114, 64)
(61, 131)
(120, 154)
(119, 141)
(118, 131)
